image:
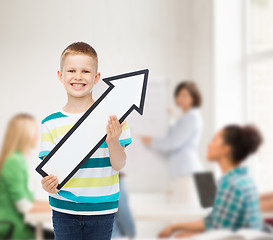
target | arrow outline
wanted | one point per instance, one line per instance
(108, 81)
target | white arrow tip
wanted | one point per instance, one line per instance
(130, 88)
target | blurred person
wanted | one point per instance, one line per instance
(236, 203)
(181, 145)
(16, 199)
(266, 202)
(124, 225)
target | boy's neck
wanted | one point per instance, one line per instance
(78, 104)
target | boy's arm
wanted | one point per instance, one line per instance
(116, 151)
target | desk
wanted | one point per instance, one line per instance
(155, 212)
(167, 212)
(39, 220)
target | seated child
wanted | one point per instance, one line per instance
(236, 204)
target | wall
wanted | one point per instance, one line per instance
(217, 55)
(201, 67)
(128, 35)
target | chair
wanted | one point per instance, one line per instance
(206, 188)
(10, 226)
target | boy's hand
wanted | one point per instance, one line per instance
(113, 129)
(50, 183)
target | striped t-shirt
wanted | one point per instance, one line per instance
(94, 188)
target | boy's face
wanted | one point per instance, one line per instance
(78, 75)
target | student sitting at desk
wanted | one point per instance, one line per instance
(236, 204)
(266, 202)
(15, 197)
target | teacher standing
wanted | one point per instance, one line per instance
(181, 144)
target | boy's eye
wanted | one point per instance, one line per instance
(86, 71)
(71, 70)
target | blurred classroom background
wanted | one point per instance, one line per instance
(225, 46)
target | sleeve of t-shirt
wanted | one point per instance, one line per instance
(177, 138)
(125, 136)
(47, 143)
(15, 176)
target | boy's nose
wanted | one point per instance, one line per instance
(78, 76)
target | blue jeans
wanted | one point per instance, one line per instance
(82, 227)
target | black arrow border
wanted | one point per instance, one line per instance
(87, 113)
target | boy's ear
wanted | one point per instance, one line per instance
(97, 78)
(60, 75)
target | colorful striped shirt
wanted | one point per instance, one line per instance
(236, 203)
(94, 188)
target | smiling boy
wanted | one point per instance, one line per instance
(85, 207)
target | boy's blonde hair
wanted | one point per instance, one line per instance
(19, 135)
(79, 48)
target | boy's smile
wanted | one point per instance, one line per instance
(78, 86)
(78, 75)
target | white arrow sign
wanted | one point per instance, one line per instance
(125, 93)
